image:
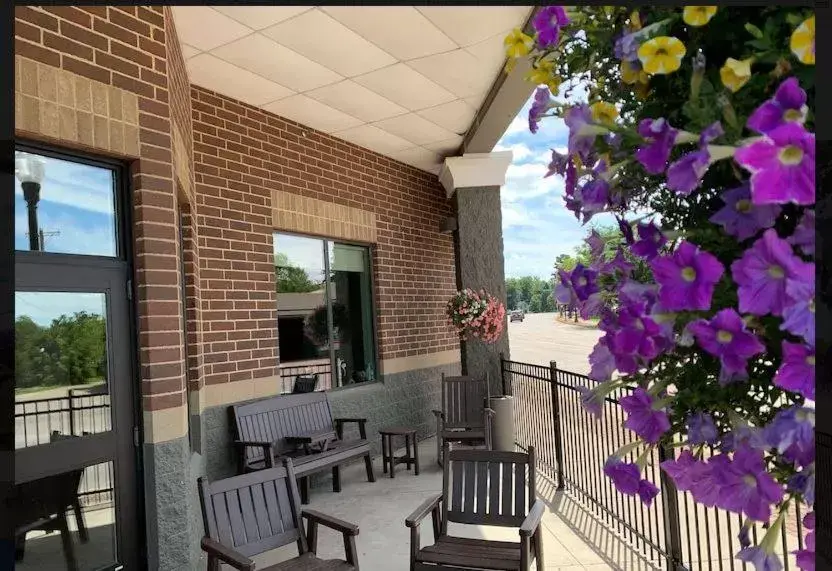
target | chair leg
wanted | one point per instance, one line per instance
(538, 547)
(304, 490)
(79, 520)
(368, 464)
(66, 543)
(416, 454)
(19, 547)
(336, 478)
(439, 450)
(384, 454)
(409, 461)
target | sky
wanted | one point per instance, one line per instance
(537, 227)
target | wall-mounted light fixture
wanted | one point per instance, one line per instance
(448, 225)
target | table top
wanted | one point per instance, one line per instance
(397, 430)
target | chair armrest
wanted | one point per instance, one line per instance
(342, 420)
(427, 506)
(227, 555)
(344, 527)
(532, 520)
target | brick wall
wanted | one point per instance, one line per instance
(241, 155)
(125, 47)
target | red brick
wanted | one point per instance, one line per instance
(107, 29)
(27, 31)
(68, 46)
(37, 53)
(116, 64)
(36, 17)
(151, 17)
(84, 36)
(87, 70)
(120, 18)
(131, 54)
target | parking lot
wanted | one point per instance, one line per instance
(540, 338)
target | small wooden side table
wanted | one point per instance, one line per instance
(388, 459)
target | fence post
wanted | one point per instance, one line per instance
(506, 386)
(71, 412)
(553, 368)
(670, 505)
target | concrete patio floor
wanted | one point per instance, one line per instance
(574, 540)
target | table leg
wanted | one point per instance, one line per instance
(416, 454)
(384, 453)
(407, 448)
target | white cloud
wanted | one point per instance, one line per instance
(73, 184)
(43, 307)
(519, 151)
(524, 181)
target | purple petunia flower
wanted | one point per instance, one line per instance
(583, 282)
(626, 48)
(647, 491)
(760, 558)
(645, 420)
(799, 310)
(578, 118)
(762, 273)
(702, 429)
(726, 338)
(547, 23)
(742, 219)
(803, 483)
(624, 475)
(687, 278)
(563, 289)
(797, 371)
(782, 166)
(601, 361)
(746, 487)
(743, 435)
(538, 107)
(618, 264)
(660, 138)
(681, 469)
(596, 244)
(636, 339)
(650, 241)
(792, 433)
(685, 175)
(787, 106)
(592, 402)
(593, 197)
(804, 234)
(805, 558)
(744, 536)
(626, 230)
(591, 306)
(558, 164)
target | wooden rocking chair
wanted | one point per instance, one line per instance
(481, 487)
(465, 416)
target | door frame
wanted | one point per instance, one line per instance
(124, 225)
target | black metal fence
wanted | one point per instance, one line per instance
(76, 414)
(674, 532)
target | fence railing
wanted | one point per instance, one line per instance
(674, 532)
(76, 414)
(290, 371)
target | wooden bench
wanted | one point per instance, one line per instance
(301, 427)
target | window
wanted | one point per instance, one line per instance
(324, 312)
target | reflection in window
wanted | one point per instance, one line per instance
(65, 521)
(64, 207)
(61, 366)
(325, 326)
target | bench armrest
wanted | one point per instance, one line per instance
(325, 520)
(362, 426)
(268, 452)
(227, 555)
(532, 520)
(430, 504)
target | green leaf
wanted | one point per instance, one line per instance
(754, 30)
(794, 19)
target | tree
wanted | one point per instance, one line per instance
(292, 279)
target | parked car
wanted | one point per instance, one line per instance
(517, 315)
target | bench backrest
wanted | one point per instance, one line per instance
(487, 487)
(463, 400)
(272, 419)
(254, 512)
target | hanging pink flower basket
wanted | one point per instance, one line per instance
(477, 315)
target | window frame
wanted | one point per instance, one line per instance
(371, 250)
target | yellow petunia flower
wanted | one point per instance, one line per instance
(518, 44)
(802, 42)
(661, 55)
(630, 75)
(604, 113)
(698, 15)
(735, 73)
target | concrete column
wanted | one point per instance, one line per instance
(473, 182)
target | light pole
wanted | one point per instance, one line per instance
(29, 170)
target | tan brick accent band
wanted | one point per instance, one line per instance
(412, 363)
(306, 215)
(57, 104)
(239, 391)
(165, 424)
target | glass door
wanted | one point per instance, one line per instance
(74, 503)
